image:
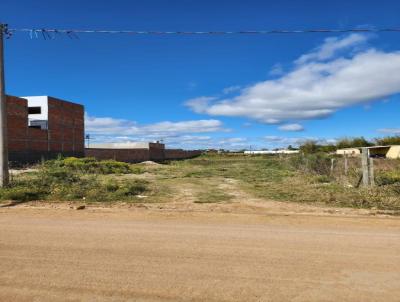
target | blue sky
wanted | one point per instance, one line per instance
(213, 91)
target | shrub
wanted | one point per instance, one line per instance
(353, 142)
(322, 179)
(132, 188)
(317, 163)
(21, 194)
(92, 166)
(58, 181)
(388, 178)
(388, 140)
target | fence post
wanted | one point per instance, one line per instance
(371, 172)
(365, 166)
(346, 165)
(332, 165)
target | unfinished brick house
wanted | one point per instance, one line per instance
(43, 127)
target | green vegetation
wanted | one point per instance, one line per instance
(75, 179)
(90, 165)
(218, 178)
(388, 140)
(212, 196)
(353, 142)
(311, 146)
(293, 178)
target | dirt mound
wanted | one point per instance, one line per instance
(150, 162)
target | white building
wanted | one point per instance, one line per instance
(126, 145)
(38, 111)
(392, 151)
(283, 151)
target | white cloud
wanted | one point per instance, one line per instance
(394, 131)
(279, 141)
(319, 84)
(233, 140)
(120, 129)
(200, 104)
(276, 70)
(331, 46)
(291, 127)
(206, 142)
(231, 89)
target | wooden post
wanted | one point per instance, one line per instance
(346, 165)
(4, 176)
(332, 165)
(371, 172)
(365, 166)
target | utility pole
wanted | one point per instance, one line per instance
(88, 139)
(4, 176)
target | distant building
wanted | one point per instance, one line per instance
(127, 145)
(349, 151)
(134, 152)
(42, 127)
(283, 151)
(374, 151)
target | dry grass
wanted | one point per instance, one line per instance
(203, 180)
(274, 178)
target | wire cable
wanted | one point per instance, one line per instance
(49, 33)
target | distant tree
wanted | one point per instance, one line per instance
(353, 142)
(327, 148)
(388, 140)
(290, 147)
(309, 147)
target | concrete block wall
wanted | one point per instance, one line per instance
(66, 126)
(181, 154)
(140, 155)
(125, 155)
(66, 134)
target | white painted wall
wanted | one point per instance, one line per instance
(272, 152)
(122, 145)
(38, 101)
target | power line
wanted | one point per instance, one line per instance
(51, 33)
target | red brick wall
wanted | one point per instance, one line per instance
(140, 155)
(65, 134)
(180, 154)
(125, 155)
(66, 126)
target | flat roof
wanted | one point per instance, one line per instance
(370, 147)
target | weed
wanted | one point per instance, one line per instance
(90, 165)
(212, 196)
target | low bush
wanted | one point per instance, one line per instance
(21, 194)
(316, 163)
(92, 166)
(388, 178)
(60, 182)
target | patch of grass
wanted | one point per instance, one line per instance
(212, 196)
(59, 182)
(21, 194)
(307, 179)
(90, 165)
(388, 178)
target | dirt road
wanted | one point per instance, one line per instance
(142, 255)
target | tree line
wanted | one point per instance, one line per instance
(311, 146)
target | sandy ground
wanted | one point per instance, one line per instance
(139, 254)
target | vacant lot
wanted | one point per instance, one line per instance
(214, 228)
(210, 181)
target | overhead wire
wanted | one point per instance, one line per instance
(50, 33)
